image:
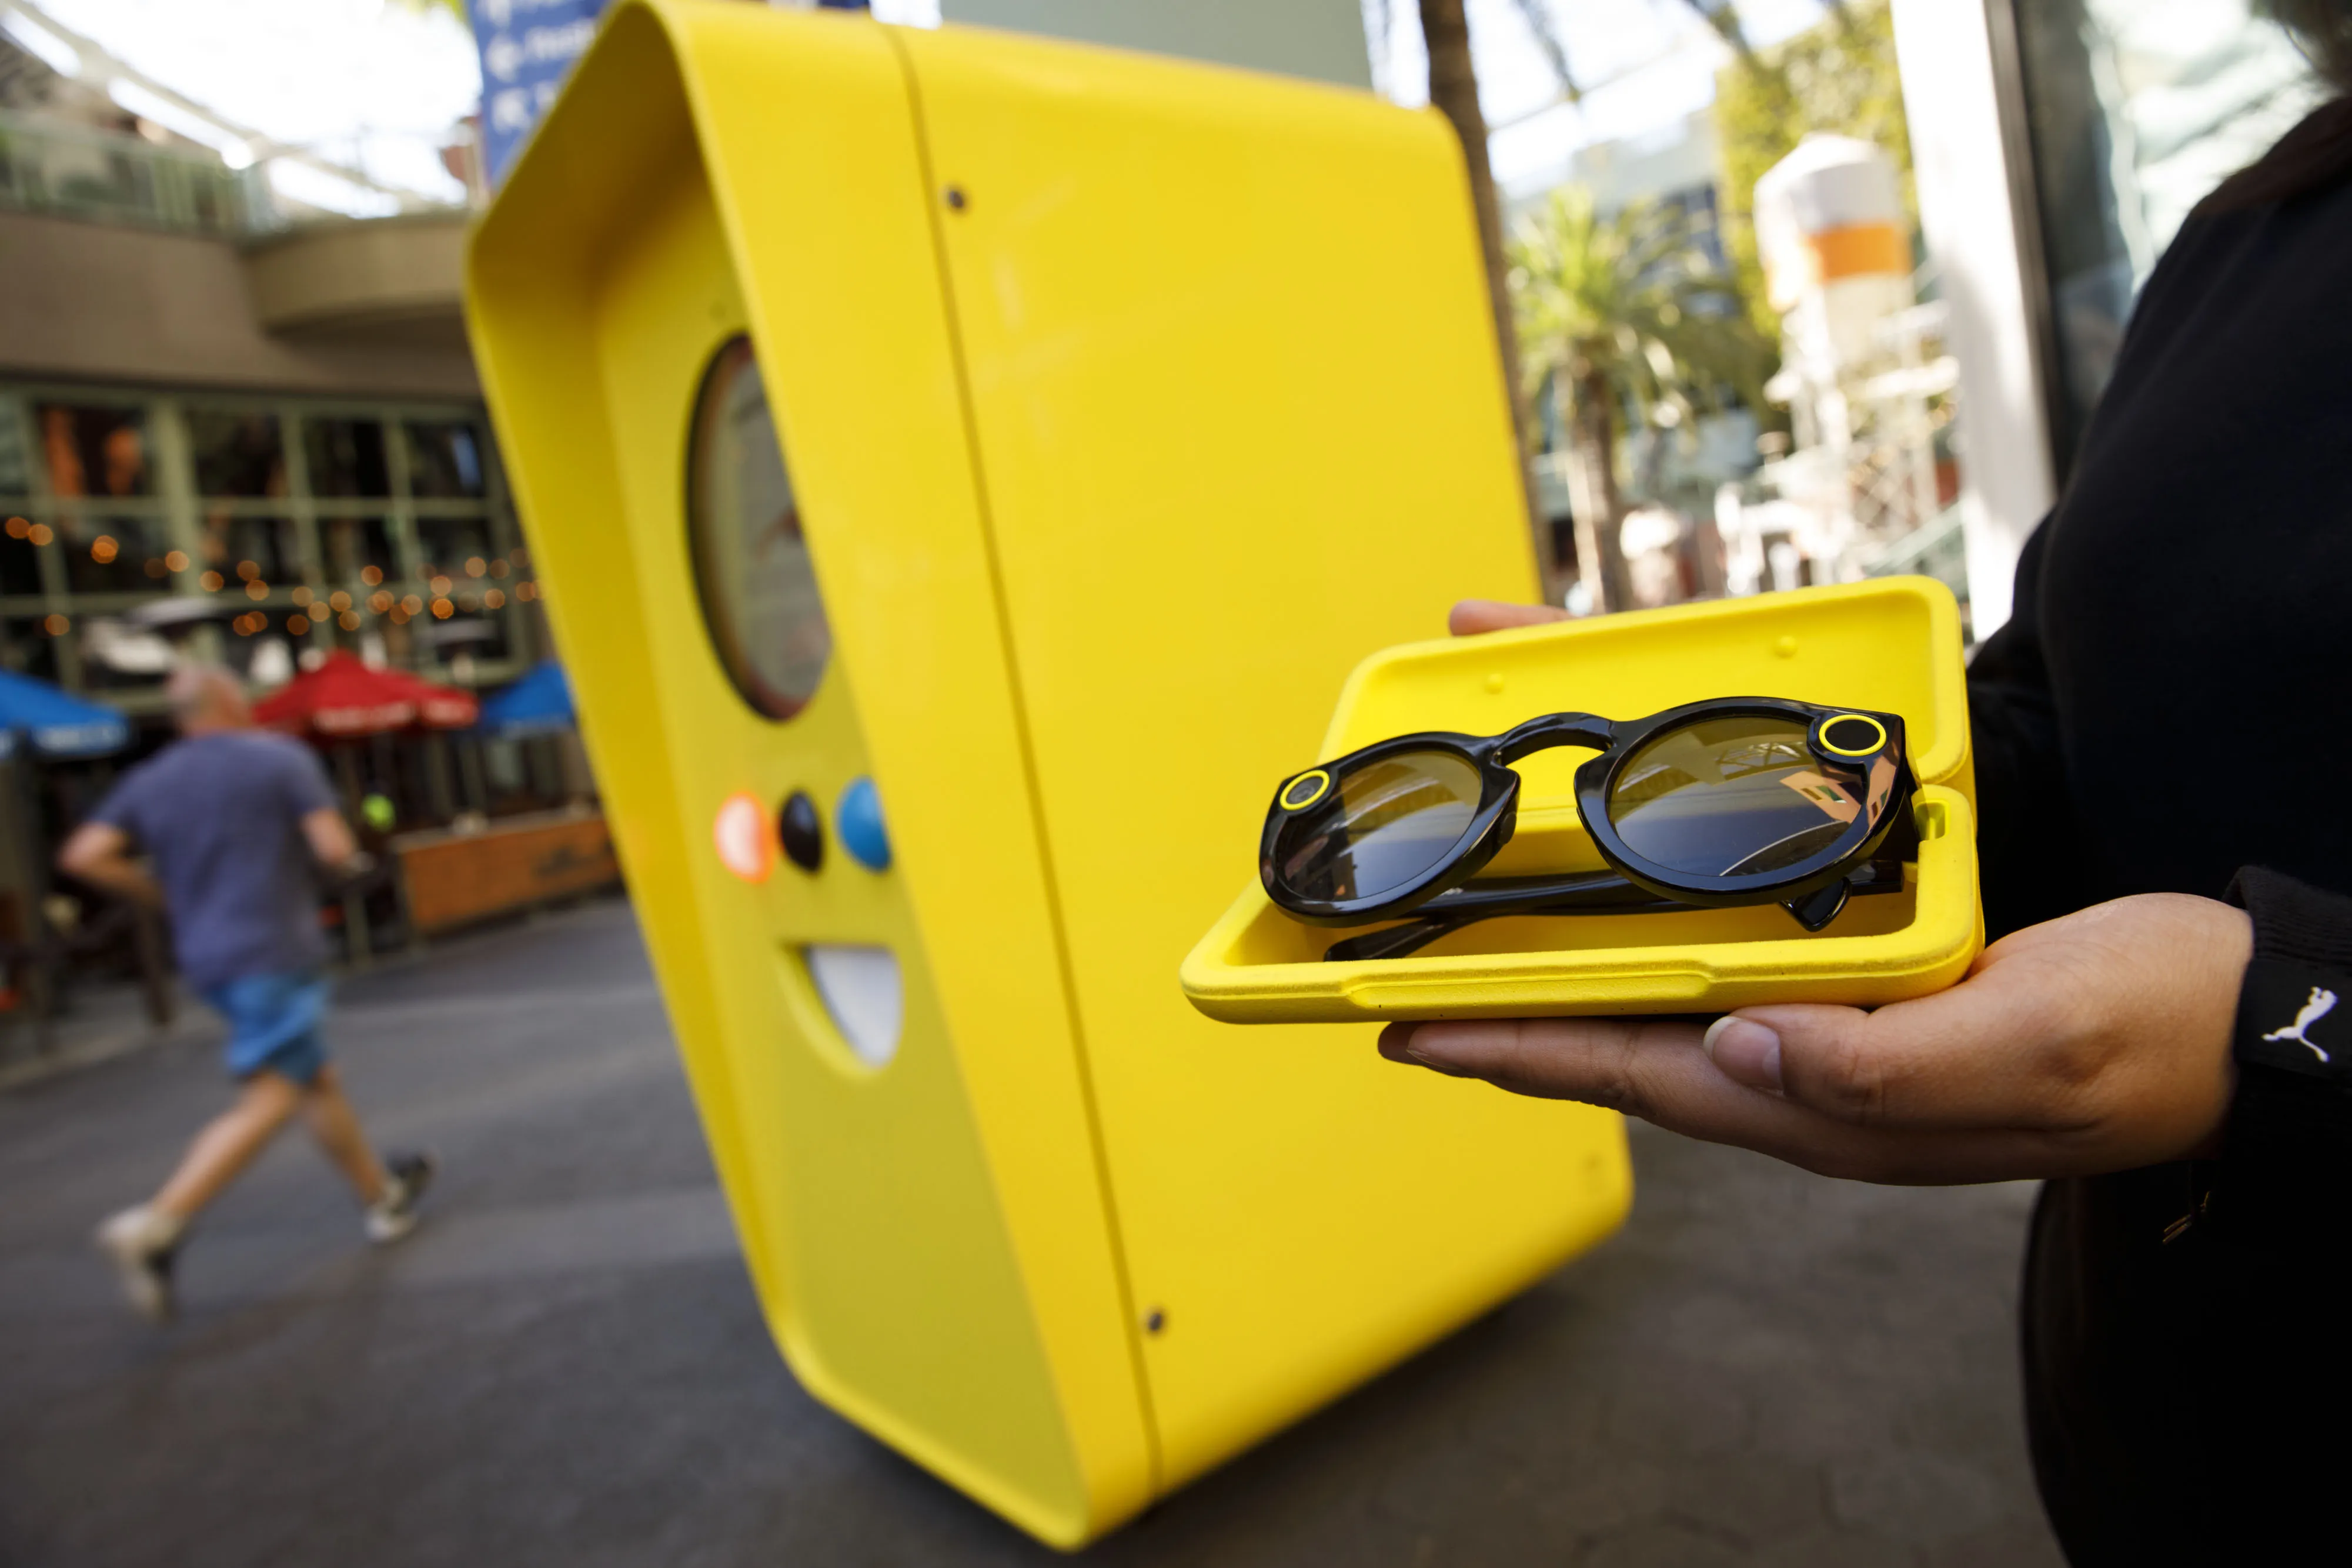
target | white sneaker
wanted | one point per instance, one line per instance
(394, 1215)
(142, 1241)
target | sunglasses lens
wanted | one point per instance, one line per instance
(1734, 797)
(1378, 827)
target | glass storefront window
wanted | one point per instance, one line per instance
(358, 550)
(346, 457)
(33, 645)
(263, 645)
(453, 546)
(2135, 109)
(94, 451)
(249, 550)
(113, 555)
(292, 522)
(444, 460)
(237, 454)
(20, 558)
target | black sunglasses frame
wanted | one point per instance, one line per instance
(1813, 890)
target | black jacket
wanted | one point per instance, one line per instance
(2171, 706)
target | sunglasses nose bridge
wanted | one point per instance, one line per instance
(1554, 730)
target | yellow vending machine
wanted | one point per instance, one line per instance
(962, 468)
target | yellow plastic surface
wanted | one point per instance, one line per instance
(1105, 474)
(1892, 645)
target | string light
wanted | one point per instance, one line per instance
(56, 625)
(371, 575)
(177, 561)
(19, 527)
(399, 615)
(349, 620)
(380, 601)
(41, 533)
(475, 566)
(247, 571)
(302, 597)
(257, 589)
(500, 567)
(442, 609)
(103, 549)
(339, 600)
(494, 599)
(211, 582)
(300, 625)
(413, 604)
(440, 585)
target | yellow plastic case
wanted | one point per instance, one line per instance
(1892, 645)
(1124, 400)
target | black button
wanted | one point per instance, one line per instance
(802, 831)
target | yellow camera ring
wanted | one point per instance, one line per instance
(1877, 743)
(1290, 800)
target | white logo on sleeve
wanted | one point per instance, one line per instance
(2317, 1008)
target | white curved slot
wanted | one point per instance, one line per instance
(860, 990)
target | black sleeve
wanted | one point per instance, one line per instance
(2025, 849)
(2280, 1203)
(2289, 1121)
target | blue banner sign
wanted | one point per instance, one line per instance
(528, 48)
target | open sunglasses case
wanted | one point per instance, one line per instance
(1891, 644)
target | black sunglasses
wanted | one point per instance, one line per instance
(1742, 800)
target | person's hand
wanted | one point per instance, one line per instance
(2095, 1042)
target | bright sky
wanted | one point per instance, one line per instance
(378, 85)
(368, 84)
(1644, 65)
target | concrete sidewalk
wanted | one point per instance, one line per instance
(566, 1366)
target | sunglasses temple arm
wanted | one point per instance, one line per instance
(1602, 893)
(1395, 941)
(1878, 876)
(1604, 890)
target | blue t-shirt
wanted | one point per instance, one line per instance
(220, 816)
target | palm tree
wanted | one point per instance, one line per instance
(1454, 92)
(1623, 312)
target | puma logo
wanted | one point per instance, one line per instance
(2317, 1008)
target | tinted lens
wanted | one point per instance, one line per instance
(1378, 827)
(1734, 796)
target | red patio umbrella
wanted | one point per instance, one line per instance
(345, 699)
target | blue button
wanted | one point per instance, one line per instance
(857, 820)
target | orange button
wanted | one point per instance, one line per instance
(740, 833)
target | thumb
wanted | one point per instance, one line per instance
(1472, 616)
(1961, 1058)
(1755, 1046)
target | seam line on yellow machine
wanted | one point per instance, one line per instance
(1129, 1326)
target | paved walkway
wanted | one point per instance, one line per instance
(566, 1366)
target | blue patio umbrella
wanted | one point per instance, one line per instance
(57, 723)
(538, 704)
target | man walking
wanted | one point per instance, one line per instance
(236, 823)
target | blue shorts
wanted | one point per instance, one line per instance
(273, 1024)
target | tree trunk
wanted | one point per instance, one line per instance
(1454, 92)
(1592, 439)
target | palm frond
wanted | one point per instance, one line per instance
(1538, 18)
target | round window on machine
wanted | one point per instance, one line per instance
(752, 565)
